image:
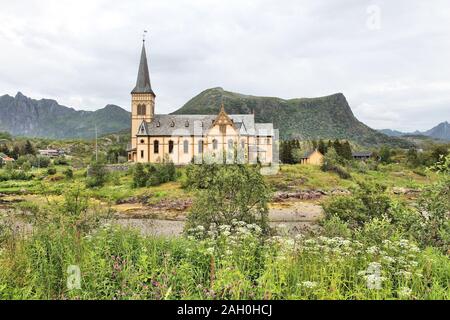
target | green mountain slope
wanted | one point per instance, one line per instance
(327, 117)
(24, 116)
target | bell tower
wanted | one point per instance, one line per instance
(142, 98)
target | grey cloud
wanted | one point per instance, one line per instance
(85, 53)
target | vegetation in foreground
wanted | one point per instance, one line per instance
(375, 253)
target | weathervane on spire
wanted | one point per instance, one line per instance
(143, 35)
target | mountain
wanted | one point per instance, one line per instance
(440, 132)
(328, 117)
(392, 133)
(24, 116)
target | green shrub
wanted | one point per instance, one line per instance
(68, 173)
(368, 200)
(146, 175)
(97, 175)
(234, 192)
(51, 171)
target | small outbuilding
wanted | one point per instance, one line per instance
(5, 159)
(314, 157)
(361, 155)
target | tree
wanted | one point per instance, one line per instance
(412, 158)
(385, 154)
(438, 152)
(97, 175)
(28, 148)
(234, 192)
(321, 147)
(338, 147)
(346, 151)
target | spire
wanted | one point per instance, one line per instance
(143, 79)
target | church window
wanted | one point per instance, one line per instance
(141, 110)
(267, 140)
(142, 154)
(230, 144)
(172, 123)
(215, 144)
(142, 141)
(170, 146)
(200, 146)
(242, 144)
(186, 123)
(156, 146)
(186, 146)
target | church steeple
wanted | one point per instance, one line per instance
(143, 79)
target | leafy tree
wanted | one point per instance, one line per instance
(412, 158)
(438, 152)
(153, 174)
(346, 151)
(321, 147)
(97, 175)
(68, 173)
(28, 148)
(234, 192)
(385, 154)
(338, 147)
(333, 162)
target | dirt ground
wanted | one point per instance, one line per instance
(293, 216)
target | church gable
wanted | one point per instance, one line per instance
(143, 129)
(223, 122)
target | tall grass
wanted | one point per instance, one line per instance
(227, 262)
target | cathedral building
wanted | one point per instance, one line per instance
(186, 138)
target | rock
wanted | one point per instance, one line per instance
(405, 191)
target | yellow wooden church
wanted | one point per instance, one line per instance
(186, 138)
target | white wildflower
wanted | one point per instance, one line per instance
(404, 292)
(309, 284)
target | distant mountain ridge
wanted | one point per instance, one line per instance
(24, 116)
(328, 117)
(441, 132)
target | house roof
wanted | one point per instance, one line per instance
(362, 154)
(143, 79)
(193, 124)
(308, 154)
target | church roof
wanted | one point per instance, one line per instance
(143, 79)
(194, 124)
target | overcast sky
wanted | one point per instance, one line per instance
(389, 58)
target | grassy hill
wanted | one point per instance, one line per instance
(23, 116)
(328, 117)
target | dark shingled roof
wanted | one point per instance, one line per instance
(361, 154)
(197, 124)
(143, 79)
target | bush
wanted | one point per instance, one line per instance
(368, 200)
(146, 175)
(333, 162)
(234, 192)
(15, 175)
(51, 171)
(97, 175)
(68, 173)
(62, 161)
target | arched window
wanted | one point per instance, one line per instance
(186, 146)
(170, 146)
(215, 144)
(230, 143)
(200, 146)
(141, 109)
(156, 146)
